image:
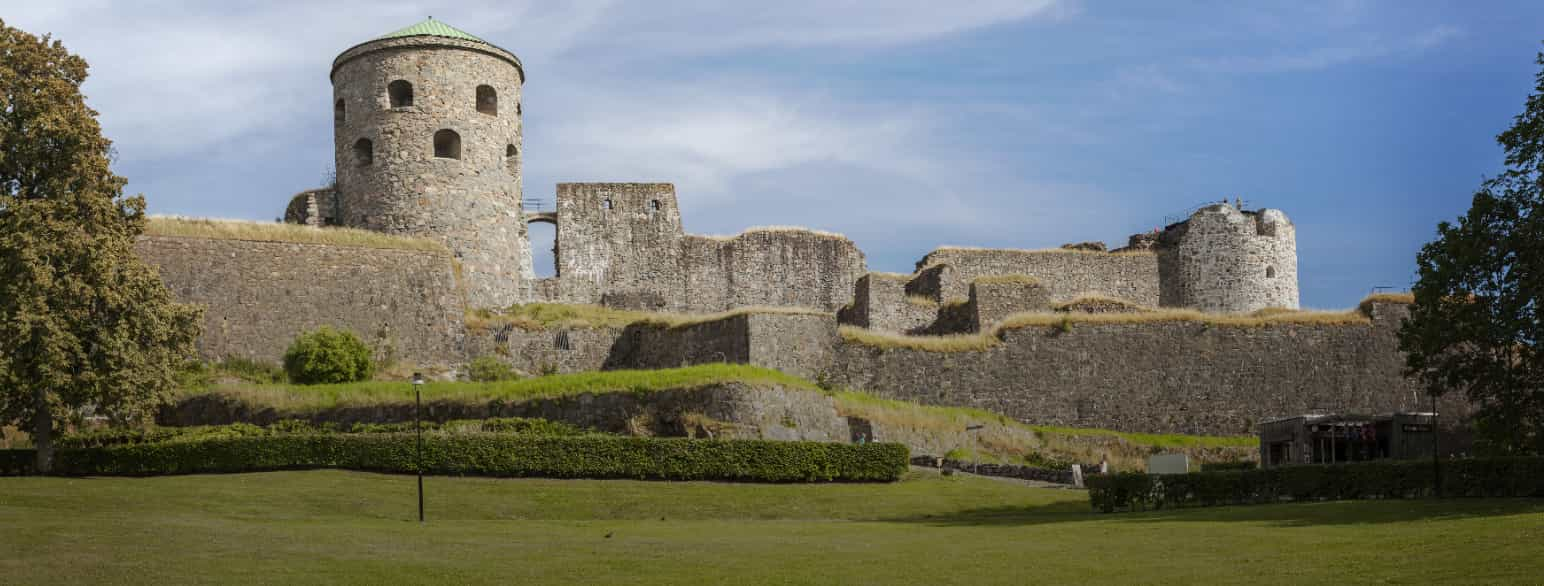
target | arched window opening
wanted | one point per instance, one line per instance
(1270, 272)
(337, 111)
(605, 204)
(653, 205)
(487, 100)
(512, 159)
(447, 144)
(401, 93)
(364, 152)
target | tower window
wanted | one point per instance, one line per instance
(605, 204)
(447, 144)
(511, 158)
(1270, 272)
(518, 111)
(364, 152)
(401, 93)
(337, 111)
(654, 205)
(487, 100)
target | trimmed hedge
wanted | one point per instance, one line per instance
(498, 455)
(1499, 477)
(101, 438)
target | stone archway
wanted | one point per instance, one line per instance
(551, 219)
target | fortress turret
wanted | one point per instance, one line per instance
(428, 143)
(1224, 259)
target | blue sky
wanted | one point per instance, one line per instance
(903, 124)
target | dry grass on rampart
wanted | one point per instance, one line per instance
(544, 316)
(1006, 280)
(921, 301)
(1118, 252)
(1067, 322)
(1406, 298)
(179, 227)
(1098, 303)
(953, 343)
(1253, 320)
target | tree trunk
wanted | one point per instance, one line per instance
(43, 433)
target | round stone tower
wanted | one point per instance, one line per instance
(427, 139)
(1224, 259)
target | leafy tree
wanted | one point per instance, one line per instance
(1475, 322)
(83, 322)
(328, 356)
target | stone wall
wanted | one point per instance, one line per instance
(542, 351)
(773, 267)
(798, 344)
(259, 295)
(1226, 260)
(1065, 274)
(880, 303)
(994, 299)
(389, 177)
(620, 244)
(1173, 377)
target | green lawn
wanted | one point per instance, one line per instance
(333, 526)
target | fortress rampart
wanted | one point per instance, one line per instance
(1145, 375)
(257, 296)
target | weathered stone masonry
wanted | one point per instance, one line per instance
(259, 295)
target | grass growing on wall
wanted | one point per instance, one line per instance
(1006, 280)
(276, 232)
(1068, 321)
(543, 316)
(300, 398)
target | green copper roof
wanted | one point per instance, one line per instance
(432, 27)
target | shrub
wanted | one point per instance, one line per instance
(1499, 477)
(487, 369)
(328, 356)
(1220, 466)
(591, 456)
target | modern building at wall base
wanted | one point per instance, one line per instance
(428, 143)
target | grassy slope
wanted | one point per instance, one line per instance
(305, 397)
(342, 527)
(300, 399)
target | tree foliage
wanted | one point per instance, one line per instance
(1475, 324)
(83, 322)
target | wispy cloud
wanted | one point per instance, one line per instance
(1367, 48)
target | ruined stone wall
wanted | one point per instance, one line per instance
(994, 300)
(880, 303)
(1174, 377)
(259, 295)
(619, 244)
(395, 183)
(1226, 260)
(777, 267)
(1065, 274)
(536, 352)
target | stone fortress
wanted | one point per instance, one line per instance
(428, 144)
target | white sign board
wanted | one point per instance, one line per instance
(1168, 464)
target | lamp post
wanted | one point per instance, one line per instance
(1436, 460)
(975, 450)
(418, 402)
